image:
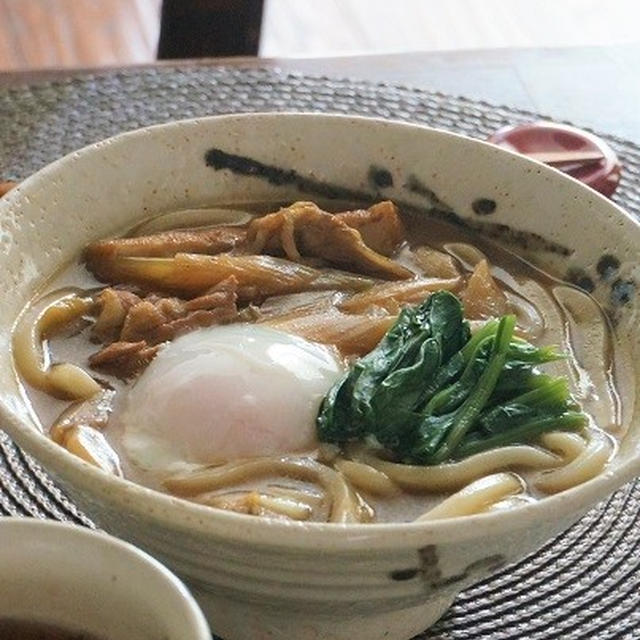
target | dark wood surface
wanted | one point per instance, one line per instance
(596, 87)
(204, 28)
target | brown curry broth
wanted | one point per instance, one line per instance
(507, 268)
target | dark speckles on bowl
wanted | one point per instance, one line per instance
(484, 206)
(581, 279)
(417, 186)
(608, 266)
(380, 178)
(404, 574)
(622, 292)
(219, 160)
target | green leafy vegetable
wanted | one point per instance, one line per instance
(432, 392)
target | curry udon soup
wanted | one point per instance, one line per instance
(360, 366)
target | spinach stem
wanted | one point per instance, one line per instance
(571, 420)
(488, 330)
(474, 403)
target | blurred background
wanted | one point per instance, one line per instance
(86, 33)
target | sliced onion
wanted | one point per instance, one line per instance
(191, 218)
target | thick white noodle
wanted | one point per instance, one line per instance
(568, 445)
(530, 324)
(257, 503)
(588, 464)
(476, 497)
(345, 506)
(313, 500)
(365, 477)
(590, 345)
(511, 502)
(453, 476)
(32, 359)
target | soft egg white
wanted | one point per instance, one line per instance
(224, 393)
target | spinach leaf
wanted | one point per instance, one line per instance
(454, 395)
(547, 400)
(403, 388)
(395, 373)
(431, 392)
(334, 423)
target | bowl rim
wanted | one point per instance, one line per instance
(67, 537)
(183, 515)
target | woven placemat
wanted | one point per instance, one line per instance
(585, 584)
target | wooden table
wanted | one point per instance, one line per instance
(596, 87)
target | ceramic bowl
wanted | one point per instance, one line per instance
(89, 582)
(269, 579)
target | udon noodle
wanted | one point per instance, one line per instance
(87, 340)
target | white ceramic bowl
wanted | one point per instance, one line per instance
(89, 582)
(269, 579)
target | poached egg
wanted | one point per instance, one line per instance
(227, 392)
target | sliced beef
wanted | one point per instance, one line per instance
(305, 230)
(379, 225)
(360, 240)
(124, 359)
(135, 327)
(114, 304)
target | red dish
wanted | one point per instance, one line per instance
(603, 174)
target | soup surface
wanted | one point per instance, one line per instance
(358, 366)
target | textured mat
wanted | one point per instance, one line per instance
(583, 585)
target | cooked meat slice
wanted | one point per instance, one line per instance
(195, 320)
(189, 274)
(116, 351)
(165, 318)
(124, 359)
(391, 296)
(155, 319)
(379, 225)
(358, 240)
(168, 307)
(482, 297)
(125, 317)
(210, 300)
(303, 229)
(142, 320)
(114, 305)
(164, 244)
(223, 294)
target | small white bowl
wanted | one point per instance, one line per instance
(86, 581)
(264, 578)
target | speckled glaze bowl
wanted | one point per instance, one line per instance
(268, 579)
